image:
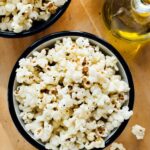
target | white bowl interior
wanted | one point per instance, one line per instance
(50, 43)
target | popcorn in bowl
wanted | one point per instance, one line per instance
(19, 15)
(71, 96)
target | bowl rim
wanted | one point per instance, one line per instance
(52, 36)
(46, 24)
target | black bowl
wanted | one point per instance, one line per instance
(47, 41)
(38, 26)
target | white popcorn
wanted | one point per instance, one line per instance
(59, 2)
(2, 10)
(118, 86)
(16, 27)
(80, 125)
(42, 62)
(43, 133)
(82, 111)
(67, 42)
(55, 140)
(103, 99)
(77, 77)
(82, 42)
(66, 102)
(93, 75)
(117, 146)
(56, 115)
(10, 7)
(96, 144)
(91, 125)
(111, 62)
(138, 131)
(91, 136)
(126, 113)
(23, 13)
(23, 74)
(70, 96)
(3, 26)
(50, 77)
(34, 15)
(32, 126)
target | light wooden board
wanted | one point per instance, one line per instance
(82, 16)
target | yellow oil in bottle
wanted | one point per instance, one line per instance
(128, 19)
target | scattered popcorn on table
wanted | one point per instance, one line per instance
(71, 96)
(138, 131)
(117, 146)
(19, 15)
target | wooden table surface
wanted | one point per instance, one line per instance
(84, 15)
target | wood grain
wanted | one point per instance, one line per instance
(81, 15)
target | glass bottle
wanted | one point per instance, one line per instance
(128, 19)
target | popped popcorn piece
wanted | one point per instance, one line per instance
(138, 131)
(117, 146)
(23, 13)
(82, 42)
(71, 96)
(59, 2)
(96, 144)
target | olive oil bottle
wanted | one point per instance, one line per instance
(128, 19)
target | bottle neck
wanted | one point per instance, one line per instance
(141, 6)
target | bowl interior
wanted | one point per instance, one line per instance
(50, 43)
